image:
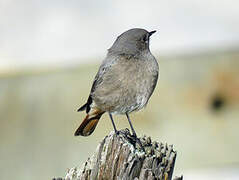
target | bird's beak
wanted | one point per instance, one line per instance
(150, 33)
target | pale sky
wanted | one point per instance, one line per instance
(42, 33)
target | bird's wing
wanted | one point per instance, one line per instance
(111, 74)
(105, 66)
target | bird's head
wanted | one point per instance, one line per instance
(133, 42)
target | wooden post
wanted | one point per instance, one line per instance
(119, 157)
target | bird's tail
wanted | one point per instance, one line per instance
(89, 123)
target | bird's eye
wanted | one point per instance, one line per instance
(145, 38)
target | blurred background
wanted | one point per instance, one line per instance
(50, 52)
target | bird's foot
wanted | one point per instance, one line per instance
(117, 132)
(137, 140)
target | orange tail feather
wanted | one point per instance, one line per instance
(89, 123)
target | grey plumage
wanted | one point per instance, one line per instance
(127, 77)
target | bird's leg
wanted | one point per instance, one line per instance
(131, 126)
(111, 118)
(134, 133)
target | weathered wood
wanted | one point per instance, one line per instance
(119, 157)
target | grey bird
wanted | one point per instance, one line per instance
(125, 80)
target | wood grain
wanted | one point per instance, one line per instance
(119, 157)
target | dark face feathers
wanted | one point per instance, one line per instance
(133, 42)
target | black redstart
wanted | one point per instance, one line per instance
(125, 80)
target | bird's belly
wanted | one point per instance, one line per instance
(133, 105)
(132, 97)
